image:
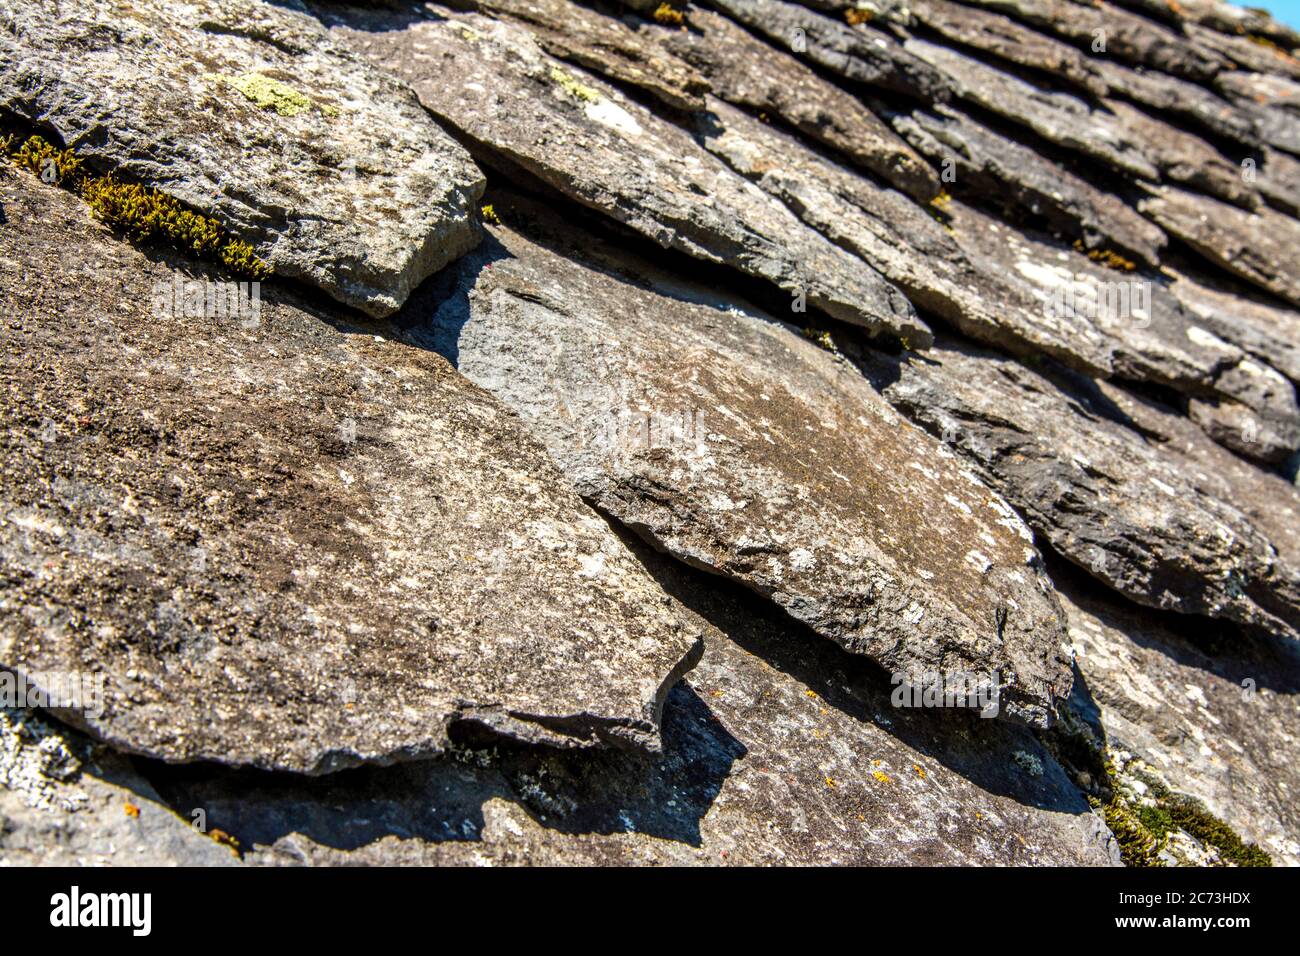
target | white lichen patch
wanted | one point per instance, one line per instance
(36, 762)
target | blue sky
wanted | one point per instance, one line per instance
(1287, 11)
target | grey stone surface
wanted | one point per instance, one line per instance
(737, 446)
(492, 81)
(248, 112)
(1261, 247)
(1134, 494)
(1211, 712)
(289, 543)
(747, 72)
(861, 54)
(66, 802)
(1012, 174)
(779, 750)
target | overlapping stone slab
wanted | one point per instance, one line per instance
(1136, 495)
(747, 72)
(739, 447)
(602, 44)
(858, 53)
(1010, 173)
(779, 749)
(1125, 35)
(490, 80)
(283, 543)
(247, 112)
(1210, 712)
(1261, 247)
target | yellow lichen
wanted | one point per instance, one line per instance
(853, 16)
(490, 215)
(669, 15)
(1107, 258)
(881, 776)
(570, 85)
(269, 93)
(822, 339)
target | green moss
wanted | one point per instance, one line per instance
(1143, 827)
(140, 213)
(269, 93)
(570, 85)
(1191, 816)
(1138, 846)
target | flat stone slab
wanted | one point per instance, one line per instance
(736, 445)
(1136, 495)
(779, 749)
(249, 113)
(284, 542)
(492, 81)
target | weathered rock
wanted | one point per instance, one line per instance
(1278, 180)
(859, 53)
(1262, 247)
(1059, 118)
(1126, 321)
(1211, 711)
(779, 749)
(286, 544)
(745, 71)
(731, 442)
(65, 802)
(1125, 35)
(1014, 175)
(1184, 158)
(1138, 496)
(249, 113)
(602, 44)
(1245, 52)
(1004, 38)
(1269, 333)
(1184, 99)
(1271, 102)
(490, 80)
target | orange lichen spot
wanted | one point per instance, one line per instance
(920, 771)
(131, 810)
(830, 783)
(854, 15)
(881, 776)
(226, 840)
(1106, 257)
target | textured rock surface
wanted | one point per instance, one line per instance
(859, 53)
(1030, 183)
(287, 545)
(778, 749)
(1214, 713)
(746, 72)
(297, 540)
(1130, 492)
(493, 82)
(65, 802)
(737, 446)
(338, 178)
(1262, 247)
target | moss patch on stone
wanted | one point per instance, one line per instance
(140, 213)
